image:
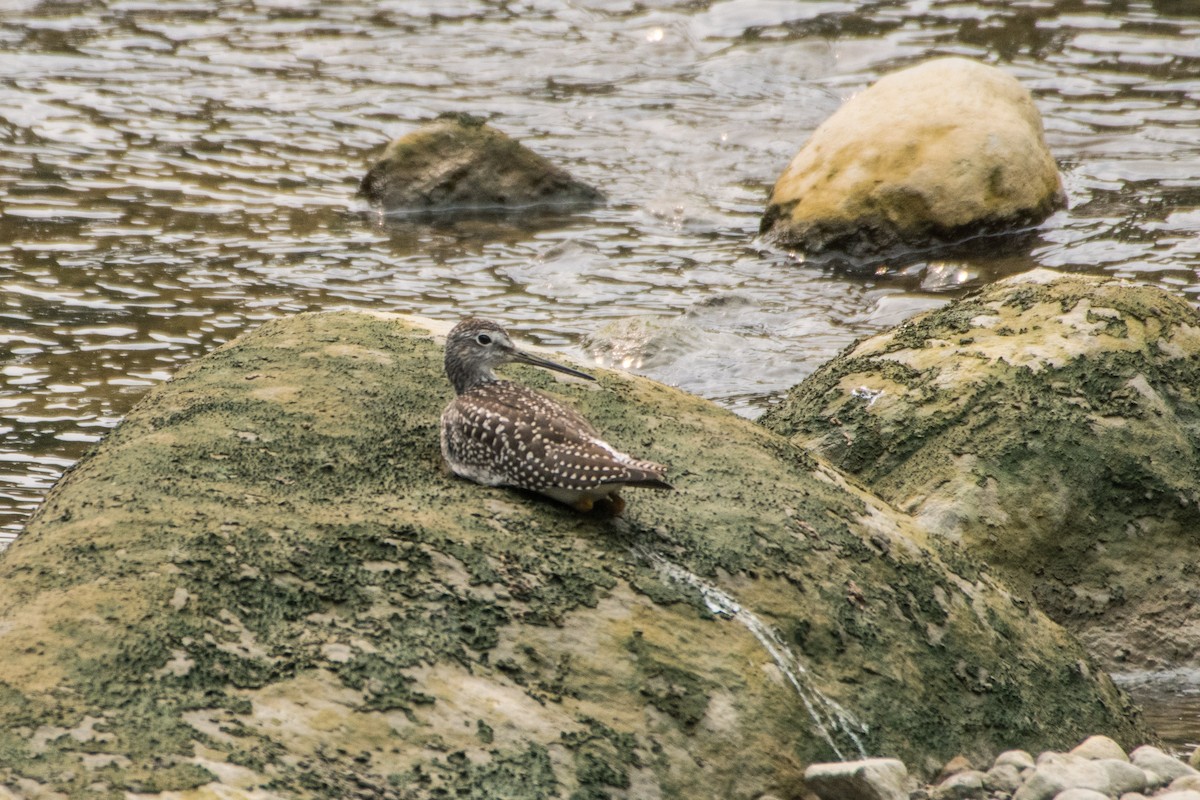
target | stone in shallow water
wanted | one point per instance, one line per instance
(459, 164)
(869, 779)
(930, 153)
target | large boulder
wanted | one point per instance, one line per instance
(263, 583)
(937, 152)
(1051, 425)
(457, 164)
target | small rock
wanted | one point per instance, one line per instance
(1186, 794)
(1162, 768)
(1099, 747)
(965, 785)
(1081, 794)
(954, 766)
(1002, 778)
(1133, 796)
(1194, 761)
(1019, 759)
(1123, 777)
(1185, 783)
(1057, 772)
(869, 779)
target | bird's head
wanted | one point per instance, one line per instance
(477, 346)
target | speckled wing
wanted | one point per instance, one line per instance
(503, 433)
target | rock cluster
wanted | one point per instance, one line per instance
(1097, 769)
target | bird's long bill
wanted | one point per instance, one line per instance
(528, 358)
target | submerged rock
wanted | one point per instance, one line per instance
(1052, 425)
(264, 583)
(457, 163)
(933, 153)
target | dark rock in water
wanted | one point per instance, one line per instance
(1051, 425)
(935, 153)
(457, 163)
(263, 584)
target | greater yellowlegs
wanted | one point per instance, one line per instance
(501, 433)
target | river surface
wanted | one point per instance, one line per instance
(174, 172)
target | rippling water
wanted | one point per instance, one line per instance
(172, 173)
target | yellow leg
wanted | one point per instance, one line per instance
(583, 504)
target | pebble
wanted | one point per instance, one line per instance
(1081, 794)
(965, 785)
(1004, 778)
(869, 779)
(1162, 768)
(1096, 769)
(1095, 747)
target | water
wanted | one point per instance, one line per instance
(174, 172)
(831, 720)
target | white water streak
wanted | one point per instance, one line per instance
(827, 714)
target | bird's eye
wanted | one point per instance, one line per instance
(483, 338)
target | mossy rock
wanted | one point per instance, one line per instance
(457, 164)
(264, 580)
(1050, 424)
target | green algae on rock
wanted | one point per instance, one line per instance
(934, 153)
(263, 584)
(1050, 424)
(458, 164)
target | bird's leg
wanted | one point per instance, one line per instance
(616, 505)
(583, 504)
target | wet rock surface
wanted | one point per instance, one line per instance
(929, 154)
(1051, 425)
(263, 583)
(459, 164)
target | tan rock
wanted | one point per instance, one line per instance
(1099, 747)
(935, 152)
(868, 779)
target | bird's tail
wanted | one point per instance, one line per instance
(648, 475)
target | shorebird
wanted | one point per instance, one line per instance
(500, 433)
